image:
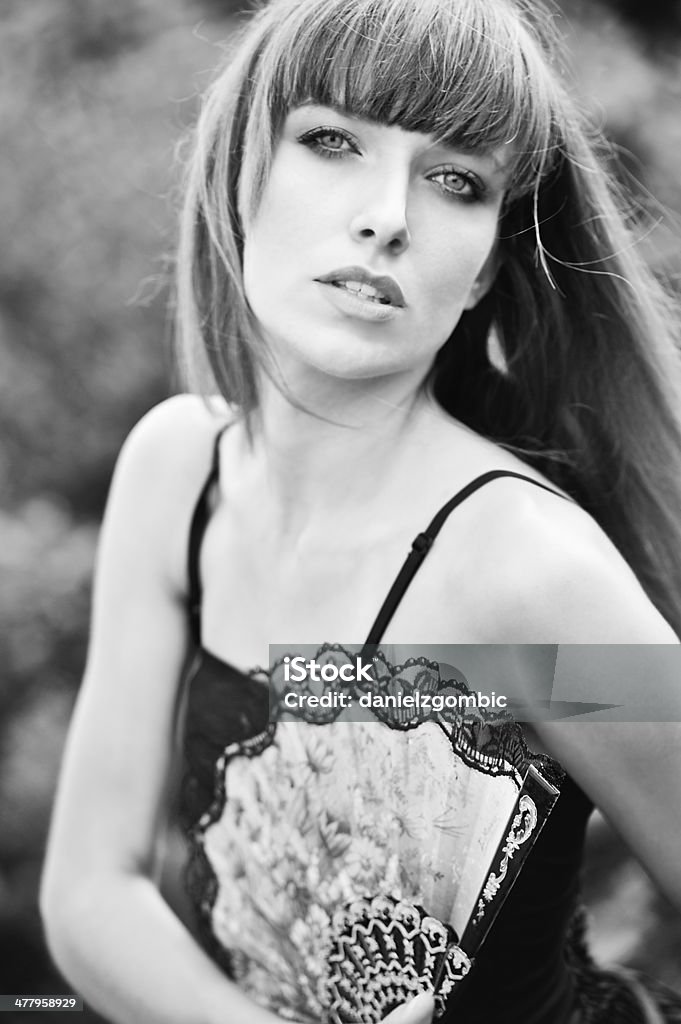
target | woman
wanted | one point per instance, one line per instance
(403, 268)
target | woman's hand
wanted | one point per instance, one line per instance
(418, 1010)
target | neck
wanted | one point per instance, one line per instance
(331, 450)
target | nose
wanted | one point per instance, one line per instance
(382, 217)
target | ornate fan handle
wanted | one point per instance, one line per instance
(385, 951)
(533, 806)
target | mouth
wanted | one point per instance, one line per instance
(382, 290)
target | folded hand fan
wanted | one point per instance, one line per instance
(357, 863)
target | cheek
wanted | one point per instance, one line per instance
(277, 241)
(267, 247)
(251, 270)
(455, 263)
(289, 207)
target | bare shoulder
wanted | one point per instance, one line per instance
(537, 568)
(558, 578)
(172, 440)
(159, 475)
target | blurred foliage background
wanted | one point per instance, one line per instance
(94, 98)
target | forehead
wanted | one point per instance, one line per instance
(459, 70)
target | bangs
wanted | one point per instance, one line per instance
(465, 71)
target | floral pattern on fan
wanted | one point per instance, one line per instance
(323, 817)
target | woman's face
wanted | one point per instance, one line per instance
(368, 244)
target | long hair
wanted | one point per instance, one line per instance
(588, 384)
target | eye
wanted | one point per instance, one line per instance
(462, 185)
(329, 142)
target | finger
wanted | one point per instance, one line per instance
(418, 1010)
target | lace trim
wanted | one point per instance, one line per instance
(607, 994)
(200, 881)
(489, 740)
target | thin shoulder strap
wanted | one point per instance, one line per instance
(197, 529)
(424, 541)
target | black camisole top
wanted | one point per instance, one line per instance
(522, 973)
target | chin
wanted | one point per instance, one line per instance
(371, 368)
(353, 357)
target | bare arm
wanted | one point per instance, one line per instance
(577, 591)
(108, 928)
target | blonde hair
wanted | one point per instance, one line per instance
(588, 389)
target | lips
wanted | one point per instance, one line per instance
(379, 288)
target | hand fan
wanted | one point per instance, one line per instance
(358, 863)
